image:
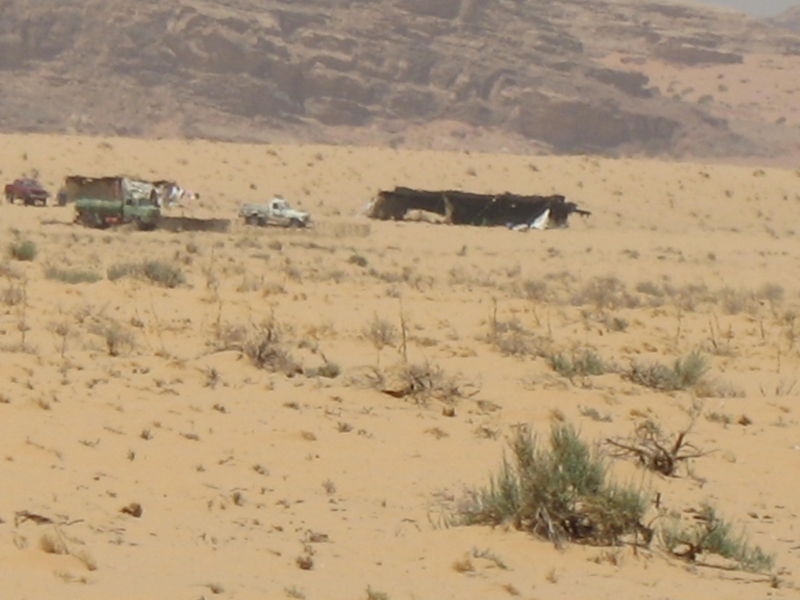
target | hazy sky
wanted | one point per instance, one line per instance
(761, 8)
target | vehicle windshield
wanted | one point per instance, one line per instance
(280, 204)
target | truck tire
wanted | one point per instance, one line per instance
(142, 226)
(88, 219)
(10, 198)
(251, 220)
(295, 224)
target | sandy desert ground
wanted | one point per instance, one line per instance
(251, 483)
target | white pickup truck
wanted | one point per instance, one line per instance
(277, 212)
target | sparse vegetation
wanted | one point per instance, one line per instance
(159, 272)
(560, 493)
(329, 370)
(656, 451)
(23, 250)
(422, 382)
(581, 363)
(710, 534)
(262, 343)
(376, 595)
(71, 276)
(683, 374)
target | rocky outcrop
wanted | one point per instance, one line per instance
(248, 68)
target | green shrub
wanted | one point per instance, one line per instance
(331, 370)
(72, 276)
(559, 493)
(120, 270)
(683, 374)
(581, 364)
(357, 259)
(163, 273)
(710, 534)
(23, 250)
(159, 272)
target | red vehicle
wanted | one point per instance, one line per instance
(29, 191)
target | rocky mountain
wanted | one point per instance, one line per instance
(564, 77)
(789, 19)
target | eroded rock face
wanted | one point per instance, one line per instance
(527, 68)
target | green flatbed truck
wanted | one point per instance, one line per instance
(130, 202)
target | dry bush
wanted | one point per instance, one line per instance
(513, 339)
(716, 388)
(655, 450)
(420, 383)
(381, 334)
(375, 594)
(735, 302)
(649, 288)
(329, 370)
(358, 260)
(53, 542)
(118, 339)
(605, 293)
(535, 290)
(262, 343)
(13, 295)
(772, 293)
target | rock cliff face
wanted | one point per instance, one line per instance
(253, 70)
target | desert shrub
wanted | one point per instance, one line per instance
(118, 339)
(581, 363)
(357, 259)
(594, 414)
(376, 595)
(262, 344)
(381, 333)
(771, 292)
(262, 347)
(163, 273)
(649, 289)
(605, 293)
(13, 295)
(718, 389)
(72, 276)
(710, 534)
(735, 302)
(425, 381)
(331, 370)
(120, 270)
(683, 374)
(419, 383)
(617, 324)
(24, 250)
(535, 290)
(655, 450)
(560, 493)
(159, 272)
(513, 339)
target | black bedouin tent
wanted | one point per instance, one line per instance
(466, 208)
